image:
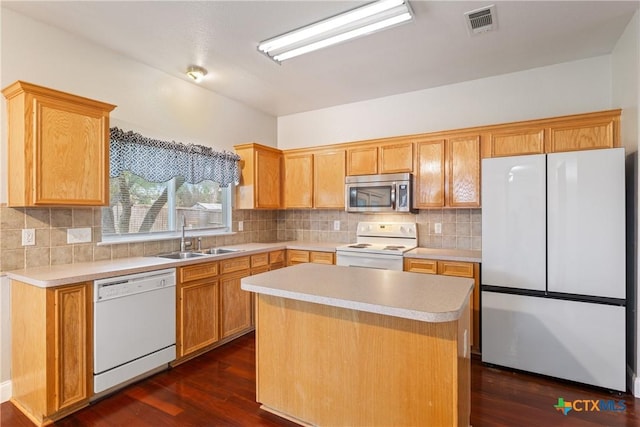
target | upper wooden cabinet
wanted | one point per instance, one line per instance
(58, 148)
(261, 175)
(567, 133)
(298, 180)
(394, 157)
(314, 179)
(328, 179)
(448, 172)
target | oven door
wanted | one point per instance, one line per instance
(368, 260)
(370, 197)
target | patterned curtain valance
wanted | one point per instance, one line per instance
(159, 161)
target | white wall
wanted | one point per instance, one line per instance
(568, 88)
(626, 94)
(148, 101)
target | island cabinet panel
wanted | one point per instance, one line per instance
(298, 180)
(362, 160)
(516, 142)
(51, 360)
(396, 158)
(335, 366)
(464, 172)
(261, 175)
(328, 179)
(58, 148)
(236, 305)
(456, 269)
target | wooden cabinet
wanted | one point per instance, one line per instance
(261, 175)
(197, 325)
(593, 131)
(362, 160)
(516, 142)
(314, 179)
(58, 148)
(277, 259)
(458, 269)
(236, 304)
(298, 180)
(297, 256)
(51, 357)
(394, 157)
(329, 171)
(448, 172)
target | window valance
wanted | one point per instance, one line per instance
(159, 161)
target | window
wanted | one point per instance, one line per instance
(152, 191)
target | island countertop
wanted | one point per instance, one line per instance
(423, 297)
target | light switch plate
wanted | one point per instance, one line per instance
(437, 228)
(336, 225)
(79, 235)
(240, 225)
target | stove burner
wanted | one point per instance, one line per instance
(360, 245)
(393, 247)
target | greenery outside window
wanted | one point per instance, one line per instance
(142, 207)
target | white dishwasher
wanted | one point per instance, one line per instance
(134, 327)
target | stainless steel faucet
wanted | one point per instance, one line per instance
(183, 243)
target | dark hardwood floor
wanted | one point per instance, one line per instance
(218, 389)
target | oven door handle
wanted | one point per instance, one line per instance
(393, 197)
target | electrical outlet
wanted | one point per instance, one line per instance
(240, 225)
(79, 235)
(336, 225)
(437, 228)
(28, 237)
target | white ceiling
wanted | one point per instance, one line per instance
(433, 50)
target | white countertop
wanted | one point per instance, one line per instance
(57, 275)
(423, 297)
(445, 254)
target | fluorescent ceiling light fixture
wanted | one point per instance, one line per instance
(349, 25)
(196, 73)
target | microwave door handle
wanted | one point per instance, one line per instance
(393, 197)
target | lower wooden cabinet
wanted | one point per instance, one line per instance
(51, 358)
(457, 269)
(235, 305)
(297, 256)
(197, 320)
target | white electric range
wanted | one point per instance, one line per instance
(379, 245)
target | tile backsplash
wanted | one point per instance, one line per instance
(461, 229)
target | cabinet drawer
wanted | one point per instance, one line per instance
(235, 264)
(259, 260)
(295, 256)
(258, 270)
(197, 271)
(321, 257)
(454, 268)
(418, 265)
(276, 257)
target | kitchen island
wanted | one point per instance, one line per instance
(352, 346)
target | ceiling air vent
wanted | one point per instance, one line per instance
(482, 20)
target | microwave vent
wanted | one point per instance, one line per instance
(481, 20)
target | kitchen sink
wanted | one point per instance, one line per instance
(181, 255)
(218, 251)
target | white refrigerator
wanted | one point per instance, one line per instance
(553, 265)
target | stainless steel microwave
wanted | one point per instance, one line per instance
(379, 193)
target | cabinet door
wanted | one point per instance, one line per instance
(321, 257)
(268, 178)
(430, 174)
(235, 315)
(329, 173)
(584, 135)
(69, 345)
(71, 154)
(396, 158)
(296, 256)
(197, 316)
(464, 172)
(362, 161)
(298, 180)
(419, 265)
(517, 142)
